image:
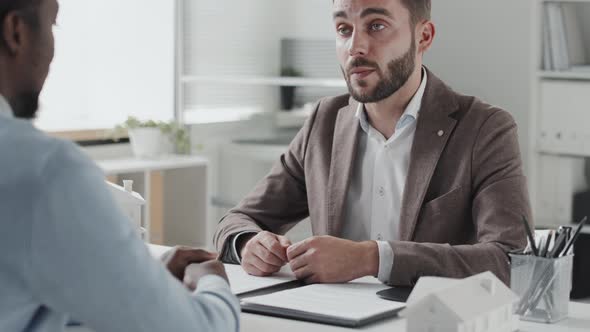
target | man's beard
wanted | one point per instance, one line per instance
(398, 73)
(25, 105)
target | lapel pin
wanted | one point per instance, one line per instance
(440, 133)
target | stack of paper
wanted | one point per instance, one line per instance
(241, 282)
(351, 304)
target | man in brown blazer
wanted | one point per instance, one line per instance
(402, 178)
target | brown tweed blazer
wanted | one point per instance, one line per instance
(464, 199)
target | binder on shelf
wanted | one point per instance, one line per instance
(547, 58)
(556, 48)
(574, 37)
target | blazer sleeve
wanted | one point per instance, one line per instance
(499, 200)
(279, 200)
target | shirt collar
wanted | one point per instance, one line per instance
(410, 113)
(5, 109)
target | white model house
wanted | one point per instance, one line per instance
(481, 303)
(130, 203)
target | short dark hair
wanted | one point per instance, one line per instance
(27, 7)
(419, 10)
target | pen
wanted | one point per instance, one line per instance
(570, 243)
(546, 245)
(529, 234)
(559, 245)
(543, 246)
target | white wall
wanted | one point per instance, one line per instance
(483, 48)
(113, 59)
(308, 19)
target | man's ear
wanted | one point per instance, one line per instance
(426, 32)
(13, 29)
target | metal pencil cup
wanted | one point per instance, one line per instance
(543, 285)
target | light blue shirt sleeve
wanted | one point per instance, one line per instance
(86, 260)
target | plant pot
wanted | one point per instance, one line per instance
(147, 142)
(287, 97)
(167, 146)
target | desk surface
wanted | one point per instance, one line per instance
(578, 321)
(132, 165)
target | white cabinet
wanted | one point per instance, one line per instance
(176, 191)
(564, 119)
(560, 112)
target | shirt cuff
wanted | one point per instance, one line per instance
(219, 292)
(210, 283)
(235, 241)
(385, 261)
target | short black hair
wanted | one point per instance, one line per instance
(27, 7)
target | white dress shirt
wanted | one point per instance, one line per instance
(374, 199)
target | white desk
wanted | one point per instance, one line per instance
(578, 321)
(181, 200)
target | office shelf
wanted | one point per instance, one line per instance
(565, 75)
(268, 80)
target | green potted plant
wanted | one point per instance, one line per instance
(150, 139)
(288, 92)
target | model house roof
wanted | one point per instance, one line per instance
(466, 298)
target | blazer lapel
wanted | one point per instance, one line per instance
(433, 130)
(344, 149)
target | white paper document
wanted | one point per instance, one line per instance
(356, 300)
(241, 282)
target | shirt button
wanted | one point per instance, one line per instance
(379, 237)
(381, 191)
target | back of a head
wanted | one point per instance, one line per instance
(7, 6)
(26, 50)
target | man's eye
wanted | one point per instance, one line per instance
(377, 27)
(344, 31)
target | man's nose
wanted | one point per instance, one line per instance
(358, 44)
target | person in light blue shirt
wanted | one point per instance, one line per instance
(66, 250)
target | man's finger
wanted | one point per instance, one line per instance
(198, 256)
(303, 273)
(297, 249)
(284, 241)
(312, 279)
(273, 245)
(262, 266)
(267, 256)
(253, 270)
(298, 262)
